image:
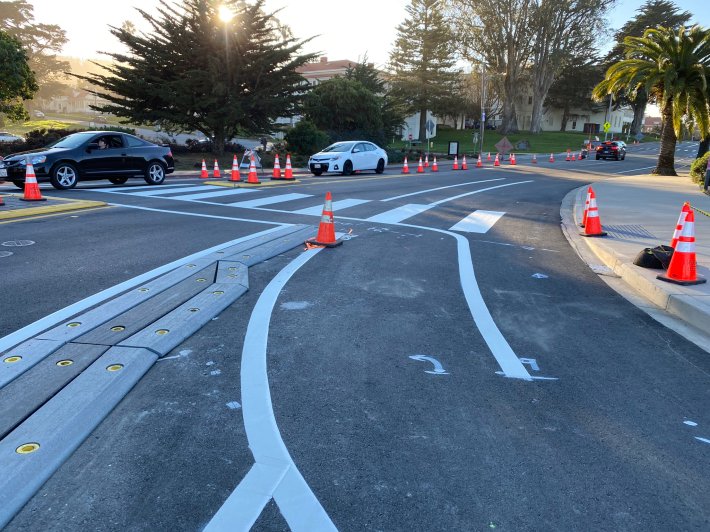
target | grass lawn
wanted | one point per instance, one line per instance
(546, 142)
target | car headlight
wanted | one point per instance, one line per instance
(39, 159)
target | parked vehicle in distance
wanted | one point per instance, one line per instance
(9, 137)
(91, 155)
(39, 114)
(611, 149)
(348, 157)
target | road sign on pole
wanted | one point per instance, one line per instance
(607, 127)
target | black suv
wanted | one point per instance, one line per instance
(611, 149)
(91, 155)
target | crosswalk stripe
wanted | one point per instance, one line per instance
(337, 206)
(269, 201)
(394, 216)
(217, 194)
(160, 190)
(129, 188)
(478, 222)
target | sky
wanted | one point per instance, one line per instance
(344, 29)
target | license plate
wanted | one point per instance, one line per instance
(3, 172)
(316, 165)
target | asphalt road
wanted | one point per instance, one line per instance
(586, 429)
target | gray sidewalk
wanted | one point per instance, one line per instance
(639, 212)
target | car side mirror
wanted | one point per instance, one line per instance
(92, 146)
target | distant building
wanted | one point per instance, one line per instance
(652, 124)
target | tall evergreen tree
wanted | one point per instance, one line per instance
(42, 42)
(196, 71)
(17, 82)
(423, 60)
(651, 14)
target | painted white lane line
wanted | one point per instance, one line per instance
(216, 194)
(478, 222)
(442, 188)
(337, 206)
(508, 361)
(399, 214)
(193, 188)
(452, 198)
(197, 214)
(28, 331)
(269, 201)
(634, 170)
(274, 473)
(137, 188)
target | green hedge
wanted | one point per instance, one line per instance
(698, 168)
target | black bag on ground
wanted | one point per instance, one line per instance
(663, 254)
(647, 259)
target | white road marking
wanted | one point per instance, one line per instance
(199, 215)
(690, 423)
(442, 188)
(478, 222)
(400, 213)
(274, 474)
(337, 205)
(269, 201)
(158, 191)
(634, 170)
(704, 440)
(129, 188)
(61, 315)
(216, 194)
(479, 191)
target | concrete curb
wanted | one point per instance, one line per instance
(678, 301)
(64, 206)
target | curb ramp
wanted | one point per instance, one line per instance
(58, 386)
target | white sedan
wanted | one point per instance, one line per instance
(348, 157)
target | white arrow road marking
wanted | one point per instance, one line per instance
(274, 474)
(438, 368)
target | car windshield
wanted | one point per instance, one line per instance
(71, 141)
(339, 147)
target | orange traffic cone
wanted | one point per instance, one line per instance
(277, 168)
(203, 173)
(497, 161)
(574, 158)
(512, 159)
(236, 176)
(405, 166)
(288, 173)
(580, 156)
(488, 159)
(2, 201)
(552, 157)
(32, 192)
(420, 167)
(434, 166)
(569, 157)
(253, 177)
(426, 161)
(326, 229)
(464, 166)
(682, 269)
(679, 226)
(534, 159)
(456, 162)
(215, 172)
(593, 225)
(586, 207)
(479, 163)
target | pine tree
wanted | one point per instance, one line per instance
(423, 60)
(194, 71)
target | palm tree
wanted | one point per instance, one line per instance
(673, 66)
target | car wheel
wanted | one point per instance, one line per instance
(380, 166)
(348, 168)
(623, 157)
(155, 173)
(317, 172)
(118, 180)
(19, 184)
(64, 176)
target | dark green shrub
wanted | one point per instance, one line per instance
(306, 139)
(698, 168)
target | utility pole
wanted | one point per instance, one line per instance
(483, 103)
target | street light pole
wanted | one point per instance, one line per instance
(483, 103)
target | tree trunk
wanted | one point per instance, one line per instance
(422, 125)
(536, 118)
(565, 118)
(510, 118)
(703, 147)
(218, 142)
(666, 154)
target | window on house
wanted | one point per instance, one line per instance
(574, 124)
(529, 100)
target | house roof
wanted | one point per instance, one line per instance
(324, 66)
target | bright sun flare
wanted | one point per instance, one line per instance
(225, 14)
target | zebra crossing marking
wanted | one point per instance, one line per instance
(337, 206)
(478, 222)
(259, 202)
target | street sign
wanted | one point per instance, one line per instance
(430, 126)
(483, 116)
(607, 127)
